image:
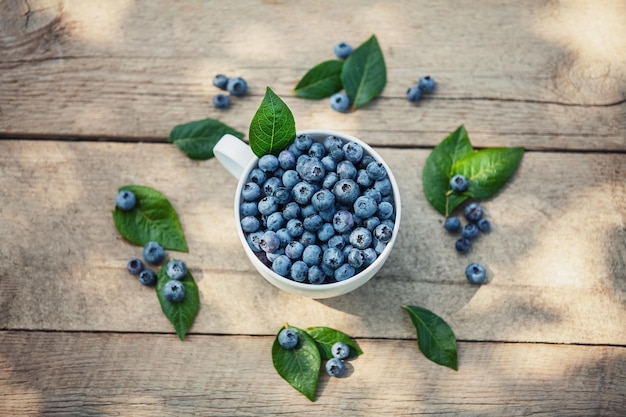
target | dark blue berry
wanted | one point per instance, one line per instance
(475, 273)
(237, 86)
(426, 84)
(473, 212)
(462, 245)
(220, 81)
(281, 265)
(459, 183)
(335, 367)
(299, 271)
(221, 101)
(134, 266)
(316, 275)
(413, 94)
(344, 272)
(288, 338)
(470, 231)
(147, 277)
(339, 102)
(484, 225)
(125, 200)
(173, 291)
(176, 269)
(340, 350)
(153, 253)
(342, 50)
(452, 224)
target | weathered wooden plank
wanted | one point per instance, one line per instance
(112, 374)
(555, 256)
(137, 69)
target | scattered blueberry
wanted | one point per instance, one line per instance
(452, 224)
(335, 367)
(176, 269)
(125, 200)
(237, 86)
(340, 350)
(484, 225)
(134, 266)
(473, 212)
(147, 277)
(475, 273)
(153, 253)
(413, 94)
(288, 338)
(342, 50)
(221, 101)
(470, 231)
(173, 291)
(462, 245)
(339, 102)
(459, 183)
(220, 81)
(426, 84)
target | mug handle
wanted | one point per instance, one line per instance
(234, 154)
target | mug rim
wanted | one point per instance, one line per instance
(307, 289)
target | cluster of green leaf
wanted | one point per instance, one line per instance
(363, 76)
(154, 220)
(487, 170)
(300, 366)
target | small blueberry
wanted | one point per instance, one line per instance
(125, 200)
(288, 338)
(147, 277)
(299, 271)
(335, 367)
(475, 273)
(462, 245)
(237, 86)
(134, 266)
(343, 50)
(220, 81)
(340, 350)
(413, 94)
(452, 224)
(484, 225)
(153, 253)
(176, 269)
(173, 291)
(221, 101)
(339, 102)
(426, 84)
(470, 231)
(473, 212)
(459, 183)
(316, 275)
(281, 265)
(269, 242)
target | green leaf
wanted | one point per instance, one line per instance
(326, 337)
(152, 219)
(321, 81)
(198, 138)
(183, 313)
(435, 338)
(439, 169)
(488, 170)
(273, 126)
(364, 74)
(300, 366)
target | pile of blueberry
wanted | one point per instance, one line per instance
(153, 254)
(236, 86)
(425, 85)
(474, 214)
(288, 339)
(319, 212)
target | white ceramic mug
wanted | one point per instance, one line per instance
(237, 157)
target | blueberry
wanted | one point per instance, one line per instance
(361, 238)
(426, 84)
(452, 224)
(340, 350)
(153, 253)
(385, 210)
(473, 212)
(291, 178)
(249, 208)
(353, 152)
(267, 205)
(282, 195)
(369, 256)
(375, 194)
(268, 163)
(355, 257)
(316, 275)
(383, 186)
(317, 150)
(326, 232)
(281, 265)
(291, 210)
(339, 102)
(147, 277)
(365, 207)
(459, 183)
(371, 223)
(346, 192)
(251, 191)
(294, 249)
(463, 245)
(343, 50)
(346, 170)
(288, 338)
(323, 200)
(308, 238)
(271, 184)
(312, 222)
(376, 171)
(176, 269)
(332, 258)
(337, 241)
(237, 86)
(312, 255)
(484, 225)
(125, 200)
(312, 170)
(173, 291)
(475, 273)
(470, 231)
(271, 256)
(413, 94)
(286, 159)
(134, 266)
(269, 242)
(363, 179)
(221, 101)
(303, 142)
(220, 81)
(329, 163)
(275, 221)
(295, 227)
(302, 192)
(257, 176)
(331, 141)
(379, 246)
(299, 271)
(253, 239)
(335, 367)
(284, 237)
(308, 210)
(383, 233)
(336, 152)
(343, 221)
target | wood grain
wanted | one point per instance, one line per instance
(555, 256)
(515, 75)
(156, 375)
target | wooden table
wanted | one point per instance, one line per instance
(89, 91)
